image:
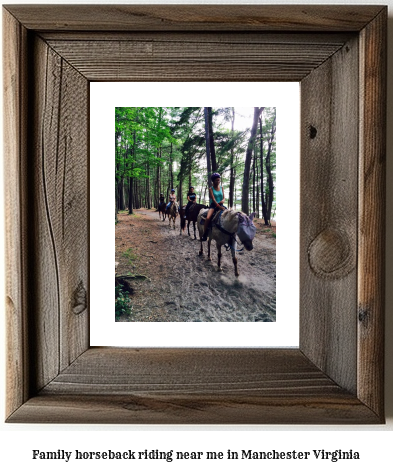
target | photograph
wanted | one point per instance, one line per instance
(195, 214)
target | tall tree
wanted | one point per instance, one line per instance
(211, 138)
(270, 183)
(247, 163)
(232, 165)
(208, 156)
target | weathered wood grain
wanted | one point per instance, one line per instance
(221, 409)
(372, 197)
(185, 60)
(60, 180)
(14, 149)
(193, 386)
(202, 37)
(194, 17)
(329, 176)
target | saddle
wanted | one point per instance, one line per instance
(215, 217)
(192, 206)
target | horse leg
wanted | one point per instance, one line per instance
(201, 249)
(194, 231)
(234, 259)
(188, 228)
(208, 249)
(219, 255)
(200, 239)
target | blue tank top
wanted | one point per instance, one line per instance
(218, 196)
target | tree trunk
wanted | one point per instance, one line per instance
(257, 190)
(121, 194)
(263, 200)
(130, 196)
(232, 175)
(208, 162)
(269, 172)
(253, 178)
(211, 138)
(170, 170)
(247, 164)
(180, 192)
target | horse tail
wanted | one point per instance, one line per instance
(182, 223)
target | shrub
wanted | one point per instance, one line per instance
(122, 302)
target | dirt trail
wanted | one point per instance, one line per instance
(183, 286)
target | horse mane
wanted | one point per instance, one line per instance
(230, 219)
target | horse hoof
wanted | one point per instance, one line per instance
(237, 274)
(209, 258)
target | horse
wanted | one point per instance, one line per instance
(192, 216)
(225, 228)
(172, 213)
(161, 210)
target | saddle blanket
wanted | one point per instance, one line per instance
(216, 215)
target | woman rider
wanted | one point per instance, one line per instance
(191, 197)
(216, 200)
(172, 198)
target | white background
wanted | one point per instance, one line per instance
(373, 442)
(104, 97)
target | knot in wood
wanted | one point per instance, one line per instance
(80, 299)
(330, 254)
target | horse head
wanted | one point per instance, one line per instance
(246, 230)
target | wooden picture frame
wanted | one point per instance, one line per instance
(338, 54)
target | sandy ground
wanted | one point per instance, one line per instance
(182, 286)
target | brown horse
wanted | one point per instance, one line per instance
(161, 210)
(172, 213)
(192, 216)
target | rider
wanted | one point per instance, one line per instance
(216, 193)
(172, 198)
(162, 199)
(191, 197)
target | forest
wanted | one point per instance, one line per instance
(162, 148)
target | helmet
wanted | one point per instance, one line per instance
(172, 190)
(214, 176)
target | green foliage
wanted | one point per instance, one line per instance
(164, 147)
(130, 255)
(123, 306)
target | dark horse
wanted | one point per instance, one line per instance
(161, 210)
(192, 216)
